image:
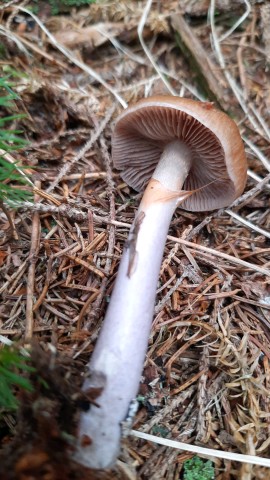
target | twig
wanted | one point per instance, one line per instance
(78, 176)
(87, 265)
(10, 220)
(90, 226)
(241, 66)
(66, 210)
(258, 153)
(248, 224)
(256, 177)
(262, 183)
(85, 308)
(46, 285)
(202, 394)
(33, 256)
(15, 275)
(168, 295)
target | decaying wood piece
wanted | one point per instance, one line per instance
(211, 78)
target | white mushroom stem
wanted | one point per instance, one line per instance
(117, 362)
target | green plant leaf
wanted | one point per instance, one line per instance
(197, 469)
(12, 182)
(12, 365)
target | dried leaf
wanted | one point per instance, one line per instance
(92, 36)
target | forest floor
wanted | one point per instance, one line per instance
(206, 378)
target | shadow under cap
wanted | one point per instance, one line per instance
(218, 157)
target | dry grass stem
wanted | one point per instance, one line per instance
(237, 457)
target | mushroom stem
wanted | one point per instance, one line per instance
(117, 362)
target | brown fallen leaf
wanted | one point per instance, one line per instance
(92, 36)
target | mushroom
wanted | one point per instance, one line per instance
(184, 151)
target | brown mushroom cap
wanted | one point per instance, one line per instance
(218, 157)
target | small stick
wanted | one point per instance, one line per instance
(202, 394)
(42, 296)
(33, 255)
(10, 220)
(90, 226)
